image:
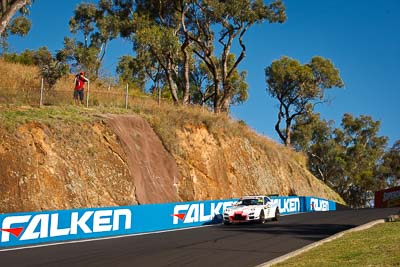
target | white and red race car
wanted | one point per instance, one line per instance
(252, 208)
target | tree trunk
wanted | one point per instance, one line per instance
(216, 96)
(9, 13)
(287, 133)
(171, 82)
(186, 63)
(278, 123)
(186, 69)
(225, 103)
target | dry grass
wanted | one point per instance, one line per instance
(20, 85)
(16, 76)
(166, 118)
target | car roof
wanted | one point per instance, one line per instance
(258, 196)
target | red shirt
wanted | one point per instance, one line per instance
(79, 83)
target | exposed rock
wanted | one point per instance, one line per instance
(119, 160)
(45, 168)
(232, 167)
(152, 168)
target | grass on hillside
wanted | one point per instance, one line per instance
(377, 246)
(164, 118)
(19, 102)
(11, 118)
(20, 84)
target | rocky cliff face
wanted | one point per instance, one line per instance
(65, 166)
(119, 160)
(227, 166)
(153, 170)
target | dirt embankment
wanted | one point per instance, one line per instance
(118, 160)
(154, 171)
(65, 166)
(225, 166)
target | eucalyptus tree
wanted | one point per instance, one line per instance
(298, 88)
(98, 24)
(131, 71)
(166, 20)
(220, 23)
(189, 31)
(203, 84)
(364, 149)
(348, 158)
(389, 169)
(11, 24)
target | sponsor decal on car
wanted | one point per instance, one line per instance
(198, 212)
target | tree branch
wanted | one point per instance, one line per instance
(242, 54)
(277, 128)
(9, 13)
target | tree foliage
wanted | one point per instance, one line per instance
(51, 68)
(181, 35)
(131, 71)
(389, 170)
(160, 46)
(11, 24)
(298, 88)
(345, 158)
(27, 57)
(98, 24)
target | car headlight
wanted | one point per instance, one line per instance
(228, 211)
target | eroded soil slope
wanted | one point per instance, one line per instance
(67, 165)
(154, 171)
(226, 166)
(113, 160)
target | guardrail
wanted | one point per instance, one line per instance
(21, 229)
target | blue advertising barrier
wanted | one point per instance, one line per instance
(289, 205)
(21, 229)
(318, 204)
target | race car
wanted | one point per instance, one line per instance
(252, 209)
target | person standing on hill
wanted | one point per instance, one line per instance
(79, 82)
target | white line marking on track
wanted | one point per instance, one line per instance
(101, 238)
(110, 237)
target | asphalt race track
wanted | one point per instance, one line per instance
(235, 245)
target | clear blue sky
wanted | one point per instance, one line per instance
(361, 37)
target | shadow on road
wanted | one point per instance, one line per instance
(310, 231)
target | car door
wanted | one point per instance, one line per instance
(267, 207)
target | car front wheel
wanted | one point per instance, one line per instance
(277, 215)
(262, 217)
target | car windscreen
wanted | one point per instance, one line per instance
(249, 202)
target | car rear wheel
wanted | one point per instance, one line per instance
(277, 215)
(262, 217)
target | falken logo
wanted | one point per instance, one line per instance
(288, 205)
(191, 213)
(319, 204)
(30, 227)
